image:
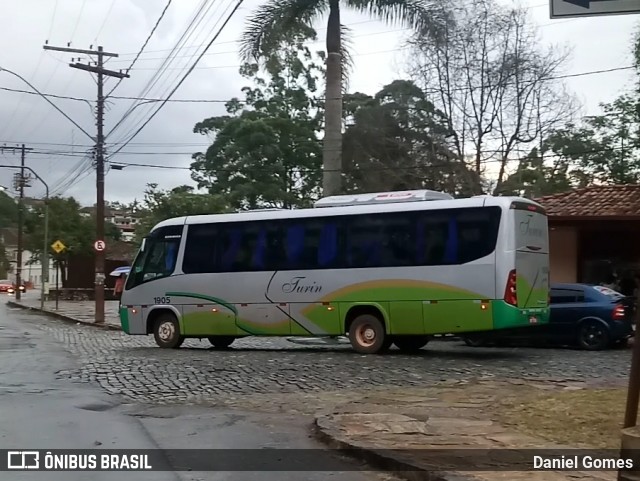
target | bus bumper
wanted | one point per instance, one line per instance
(506, 316)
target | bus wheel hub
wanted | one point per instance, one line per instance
(166, 331)
(366, 335)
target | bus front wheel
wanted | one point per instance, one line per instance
(166, 332)
(367, 335)
(221, 342)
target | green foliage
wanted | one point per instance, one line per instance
(604, 148)
(8, 210)
(66, 224)
(534, 178)
(5, 265)
(159, 205)
(266, 152)
(398, 140)
(269, 30)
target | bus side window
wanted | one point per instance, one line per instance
(365, 242)
(328, 245)
(230, 238)
(477, 233)
(295, 246)
(432, 240)
(200, 249)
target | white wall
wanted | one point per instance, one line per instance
(31, 272)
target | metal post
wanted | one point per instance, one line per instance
(99, 281)
(46, 217)
(20, 185)
(45, 251)
(57, 282)
(633, 391)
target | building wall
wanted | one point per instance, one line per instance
(31, 272)
(563, 254)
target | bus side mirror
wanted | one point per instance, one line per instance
(144, 243)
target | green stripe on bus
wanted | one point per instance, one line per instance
(215, 300)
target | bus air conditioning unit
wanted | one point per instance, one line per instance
(382, 198)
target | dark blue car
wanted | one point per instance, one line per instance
(590, 317)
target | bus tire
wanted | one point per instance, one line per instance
(166, 331)
(411, 343)
(367, 335)
(221, 342)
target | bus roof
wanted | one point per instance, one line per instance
(275, 214)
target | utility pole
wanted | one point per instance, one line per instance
(20, 181)
(97, 68)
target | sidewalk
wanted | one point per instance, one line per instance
(399, 430)
(75, 311)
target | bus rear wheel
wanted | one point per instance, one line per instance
(166, 331)
(221, 342)
(411, 343)
(367, 335)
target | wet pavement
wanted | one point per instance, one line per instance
(43, 408)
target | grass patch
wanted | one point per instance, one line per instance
(590, 418)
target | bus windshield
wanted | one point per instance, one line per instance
(157, 257)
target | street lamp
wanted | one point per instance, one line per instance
(45, 258)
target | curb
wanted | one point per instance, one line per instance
(382, 459)
(63, 317)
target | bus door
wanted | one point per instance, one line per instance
(531, 256)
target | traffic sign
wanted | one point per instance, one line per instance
(58, 246)
(592, 8)
(99, 245)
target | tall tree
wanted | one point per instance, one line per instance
(493, 81)
(8, 210)
(536, 176)
(273, 22)
(5, 265)
(266, 151)
(65, 224)
(603, 148)
(158, 205)
(398, 140)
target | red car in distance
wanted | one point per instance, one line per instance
(9, 287)
(5, 285)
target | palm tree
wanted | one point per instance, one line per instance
(272, 23)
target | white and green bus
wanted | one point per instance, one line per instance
(383, 268)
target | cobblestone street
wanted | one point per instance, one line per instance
(196, 373)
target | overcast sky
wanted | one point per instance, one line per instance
(121, 26)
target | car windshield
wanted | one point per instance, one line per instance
(5, 281)
(608, 292)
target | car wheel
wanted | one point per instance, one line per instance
(593, 336)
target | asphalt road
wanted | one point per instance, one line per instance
(42, 405)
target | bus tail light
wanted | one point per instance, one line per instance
(510, 295)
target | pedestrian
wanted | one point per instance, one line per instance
(119, 287)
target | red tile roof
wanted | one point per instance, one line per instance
(594, 201)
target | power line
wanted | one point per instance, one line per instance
(104, 21)
(547, 155)
(160, 70)
(75, 29)
(155, 99)
(322, 29)
(53, 18)
(143, 45)
(215, 37)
